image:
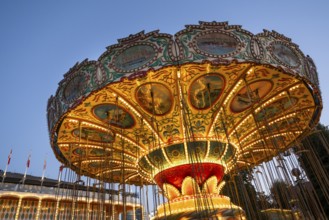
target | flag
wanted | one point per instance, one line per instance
(9, 156)
(28, 161)
(27, 167)
(61, 168)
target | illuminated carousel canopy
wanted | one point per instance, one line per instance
(157, 108)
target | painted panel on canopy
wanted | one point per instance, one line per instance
(206, 90)
(155, 98)
(91, 134)
(197, 150)
(284, 54)
(171, 131)
(270, 143)
(216, 150)
(216, 43)
(157, 158)
(247, 95)
(145, 165)
(284, 125)
(230, 153)
(99, 164)
(126, 147)
(128, 157)
(276, 108)
(100, 153)
(279, 141)
(130, 149)
(118, 175)
(79, 152)
(176, 153)
(114, 115)
(135, 57)
(74, 88)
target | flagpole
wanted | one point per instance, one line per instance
(4, 174)
(8, 162)
(59, 174)
(27, 167)
(43, 172)
(24, 177)
(44, 169)
(59, 177)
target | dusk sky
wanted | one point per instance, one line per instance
(41, 40)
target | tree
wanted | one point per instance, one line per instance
(239, 188)
(280, 194)
(315, 161)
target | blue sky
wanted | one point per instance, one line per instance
(41, 40)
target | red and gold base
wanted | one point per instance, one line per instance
(201, 206)
(200, 172)
(193, 192)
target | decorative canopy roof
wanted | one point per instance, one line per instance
(213, 92)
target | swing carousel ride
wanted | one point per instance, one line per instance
(182, 111)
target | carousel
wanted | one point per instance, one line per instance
(184, 112)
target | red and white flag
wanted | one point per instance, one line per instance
(28, 161)
(27, 167)
(61, 168)
(9, 156)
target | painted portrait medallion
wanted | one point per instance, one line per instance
(216, 43)
(99, 152)
(74, 88)
(155, 98)
(79, 152)
(285, 55)
(51, 117)
(135, 57)
(205, 91)
(283, 125)
(114, 115)
(249, 94)
(98, 164)
(276, 108)
(91, 134)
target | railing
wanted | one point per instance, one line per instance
(62, 193)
